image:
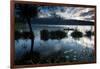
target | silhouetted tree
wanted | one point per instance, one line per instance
(26, 12)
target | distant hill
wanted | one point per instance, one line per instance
(59, 21)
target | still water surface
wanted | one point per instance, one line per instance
(79, 49)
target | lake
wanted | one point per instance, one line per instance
(71, 49)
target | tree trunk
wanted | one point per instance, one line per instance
(32, 36)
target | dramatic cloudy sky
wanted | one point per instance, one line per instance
(78, 13)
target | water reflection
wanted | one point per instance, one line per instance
(68, 48)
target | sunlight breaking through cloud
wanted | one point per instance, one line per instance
(78, 13)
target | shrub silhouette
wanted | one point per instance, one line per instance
(27, 35)
(44, 35)
(17, 35)
(76, 34)
(57, 34)
(89, 33)
(24, 35)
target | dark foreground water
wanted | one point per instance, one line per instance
(69, 48)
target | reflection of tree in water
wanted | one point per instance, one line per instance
(54, 57)
(24, 46)
(27, 58)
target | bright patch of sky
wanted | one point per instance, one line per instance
(78, 13)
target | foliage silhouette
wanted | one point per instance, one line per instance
(89, 33)
(45, 34)
(57, 34)
(76, 34)
(26, 12)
